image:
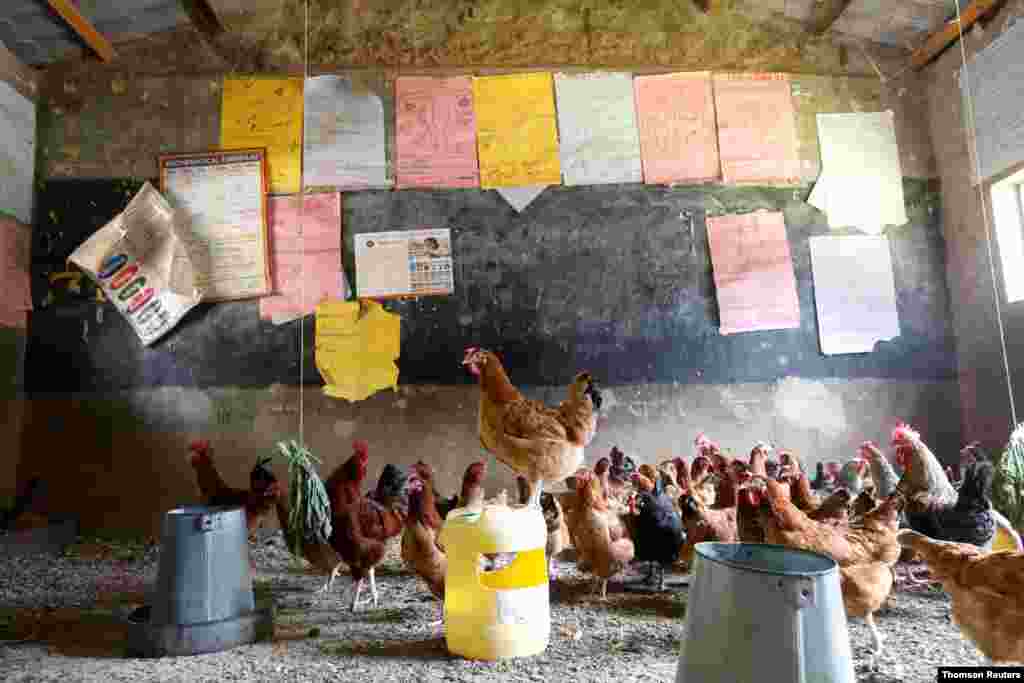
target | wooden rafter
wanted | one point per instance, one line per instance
(825, 14)
(84, 28)
(948, 34)
(203, 17)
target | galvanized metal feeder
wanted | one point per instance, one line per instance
(764, 612)
(203, 601)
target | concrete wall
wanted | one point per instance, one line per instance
(984, 395)
(12, 341)
(119, 461)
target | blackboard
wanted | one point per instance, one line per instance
(609, 278)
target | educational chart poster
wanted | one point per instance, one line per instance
(757, 137)
(753, 271)
(599, 142)
(436, 133)
(223, 194)
(305, 255)
(266, 113)
(404, 263)
(678, 139)
(345, 136)
(854, 292)
(517, 130)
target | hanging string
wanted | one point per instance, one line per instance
(302, 243)
(972, 138)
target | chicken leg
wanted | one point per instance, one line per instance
(869, 619)
(326, 588)
(536, 488)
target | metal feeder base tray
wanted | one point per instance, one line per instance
(176, 640)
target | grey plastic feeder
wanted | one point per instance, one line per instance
(203, 601)
(764, 613)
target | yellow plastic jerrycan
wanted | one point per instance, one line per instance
(497, 614)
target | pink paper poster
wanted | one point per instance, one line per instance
(312, 256)
(753, 272)
(676, 116)
(16, 292)
(436, 133)
(757, 136)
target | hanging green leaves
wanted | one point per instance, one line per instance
(310, 518)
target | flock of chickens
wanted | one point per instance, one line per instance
(862, 513)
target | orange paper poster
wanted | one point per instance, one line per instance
(306, 265)
(676, 116)
(753, 271)
(757, 137)
(436, 133)
(16, 298)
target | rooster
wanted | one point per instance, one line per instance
(541, 443)
(360, 528)
(934, 508)
(986, 589)
(258, 500)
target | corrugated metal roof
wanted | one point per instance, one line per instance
(32, 31)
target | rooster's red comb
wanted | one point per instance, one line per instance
(199, 445)
(903, 433)
(361, 447)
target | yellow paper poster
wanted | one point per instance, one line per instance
(357, 344)
(517, 130)
(266, 112)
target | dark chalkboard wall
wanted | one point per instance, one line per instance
(609, 278)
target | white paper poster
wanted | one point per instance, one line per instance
(861, 182)
(598, 137)
(17, 153)
(854, 292)
(345, 139)
(404, 263)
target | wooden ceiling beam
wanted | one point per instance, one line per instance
(949, 33)
(203, 17)
(84, 28)
(826, 12)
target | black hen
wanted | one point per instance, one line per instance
(970, 520)
(391, 490)
(658, 531)
(623, 467)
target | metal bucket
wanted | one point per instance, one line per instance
(204, 566)
(203, 599)
(764, 613)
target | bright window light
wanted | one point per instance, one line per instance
(1008, 215)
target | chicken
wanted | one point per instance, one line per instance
(20, 515)
(759, 459)
(874, 540)
(391, 489)
(833, 510)
(851, 476)
(803, 494)
(882, 473)
(788, 461)
(420, 550)
(822, 478)
(258, 500)
(658, 529)
(667, 472)
(620, 474)
(554, 521)
(865, 588)
(543, 444)
(702, 480)
(471, 495)
(605, 554)
(933, 507)
(710, 523)
(986, 590)
(748, 517)
(360, 528)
